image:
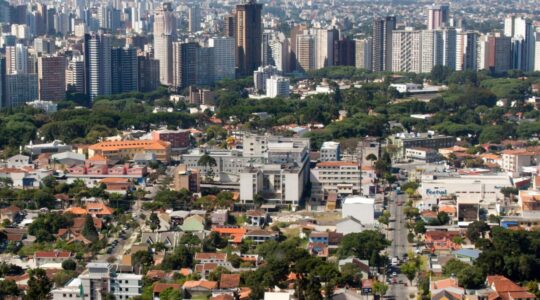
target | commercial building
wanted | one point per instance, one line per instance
(344, 52)
(51, 77)
(148, 73)
(495, 52)
(479, 190)
(117, 150)
(402, 141)
(164, 33)
(75, 80)
(125, 70)
(194, 18)
(248, 36)
(20, 89)
(224, 59)
(16, 59)
(185, 178)
(424, 154)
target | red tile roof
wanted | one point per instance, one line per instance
(210, 285)
(229, 281)
(52, 254)
(160, 287)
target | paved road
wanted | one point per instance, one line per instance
(399, 246)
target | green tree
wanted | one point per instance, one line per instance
(453, 267)
(214, 241)
(208, 162)
(154, 222)
(143, 259)
(8, 288)
(443, 218)
(69, 264)
(471, 277)
(409, 269)
(420, 227)
(170, 294)
(364, 245)
(379, 288)
(351, 275)
(476, 230)
(39, 285)
(89, 230)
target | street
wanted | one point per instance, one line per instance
(399, 246)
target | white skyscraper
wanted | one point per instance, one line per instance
(537, 52)
(523, 42)
(261, 75)
(164, 32)
(324, 47)
(16, 59)
(97, 57)
(279, 47)
(406, 50)
(466, 51)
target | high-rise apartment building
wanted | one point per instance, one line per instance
(305, 52)
(148, 73)
(52, 78)
(75, 81)
(248, 36)
(406, 50)
(382, 43)
(194, 18)
(125, 70)
(164, 33)
(324, 46)
(438, 16)
(97, 58)
(17, 59)
(495, 52)
(466, 50)
(279, 47)
(184, 64)
(295, 31)
(344, 52)
(363, 56)
(523, 42)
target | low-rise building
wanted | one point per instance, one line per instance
(51, 257)
(514, 160)
(359, 207)
(118, 150)
(430, 140)
(330, 151)
(339, 177)
(424, 154)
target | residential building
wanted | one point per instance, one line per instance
(194, 18)
(344, 52)
(363, 53)
(305, 52)
(179, 139)
(148, 73)
(382, 43)
(277, 86)
(75, 80)
(438, 16)
(513, 161)
(261, 75)
(52, 257)
(185, 178)
(51, 78)
(99, 278)
(248, 36)
(467, 50)
(97, 58)
(504, 288)
(324, 46)
(124, 70)
(406, 50)
(341, 178)
(330, 151)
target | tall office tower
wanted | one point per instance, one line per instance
(148, 73)
(164, 32)
(523, 42)
(20, 88)
(52, 78)
(194, 18)
(125, 69)
(466, 50)
(5, 10)
(17, 59)
(495, 52)
(279, 47)
(230, 26)
(438, 16)
(344, 52)
(406, 50)
(266, 51)
(295, 31)
(184, 64)
(43, 45)
(51, 12)
(41, 19)
(362, 55)
(224, 58)
(305, 52)
(97, 58)
(324, 47)
(537, 52)
(248, 37)
(205, 66)
(2, 81)
(430, 48)
(75, 82)
(382, 43)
